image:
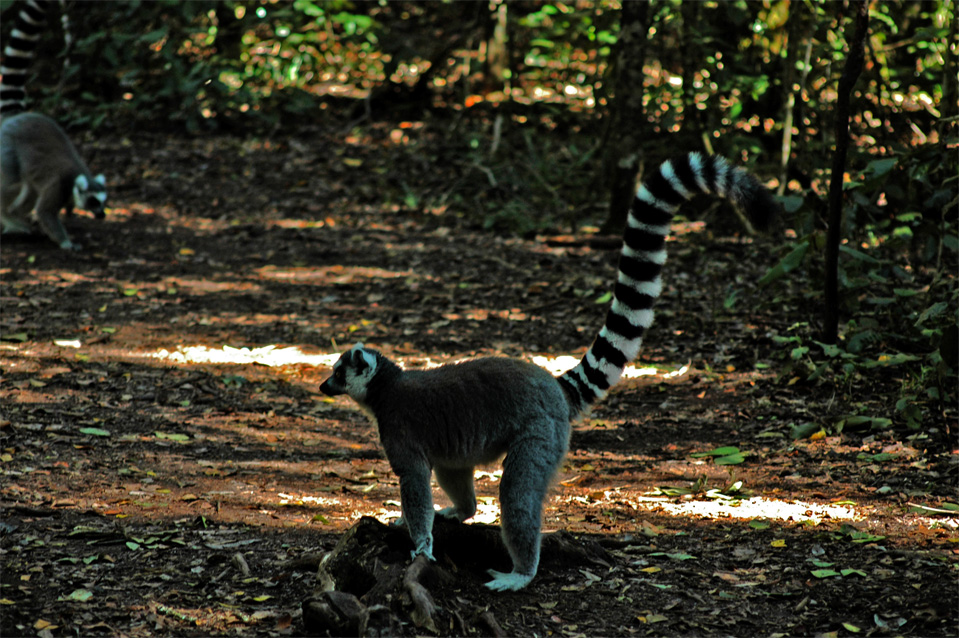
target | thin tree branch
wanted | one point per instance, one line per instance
(850, 73)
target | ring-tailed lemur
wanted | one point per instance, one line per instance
(455, 417)
(40, 168)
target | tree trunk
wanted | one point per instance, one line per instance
(626, 117)
(850, 73)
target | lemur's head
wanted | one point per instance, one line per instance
(352, 373)
(90, 194)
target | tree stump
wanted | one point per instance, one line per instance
(368, 586)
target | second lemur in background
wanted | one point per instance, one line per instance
(452, 418)
(40, 169)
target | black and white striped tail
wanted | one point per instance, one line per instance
(643, 255)
(19, 52)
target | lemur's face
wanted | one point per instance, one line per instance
(351, 373)
(91, 196)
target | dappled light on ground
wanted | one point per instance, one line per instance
(292, 355)
(757, 507)
(266, 356)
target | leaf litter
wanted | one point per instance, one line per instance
(136, 486)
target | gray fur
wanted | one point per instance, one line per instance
(454, 418)
(40, 169)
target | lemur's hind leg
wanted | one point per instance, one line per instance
(528, 472)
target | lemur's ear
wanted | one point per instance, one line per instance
(361, 359)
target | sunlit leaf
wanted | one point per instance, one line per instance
(78, 595)
(172, 436)
(95, 431)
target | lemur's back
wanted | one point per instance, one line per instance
(473, 411)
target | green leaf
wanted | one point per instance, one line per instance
(681, 556)
(132, 545)
(932, 311)
(853, 572)
(830, 350)
(856, 536)
(791, 203)
(78, 595)
(720, 451)
(851, 628)
(730, 300)
(605, 298)
(15, 336)
(759, 524)
(788, 263)
(172, 436)
(824, 573)
(861, 256)
(94, 431)
(880, 167)
(730, 459)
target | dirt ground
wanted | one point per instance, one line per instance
(171, 469)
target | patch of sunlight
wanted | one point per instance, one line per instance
(266, 355)
(487, 512)
(292, 499)
(562, 363)
(756, 507)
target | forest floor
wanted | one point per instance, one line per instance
(171, 469)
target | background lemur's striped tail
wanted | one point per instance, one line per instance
(19, 52)
(642, 257)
